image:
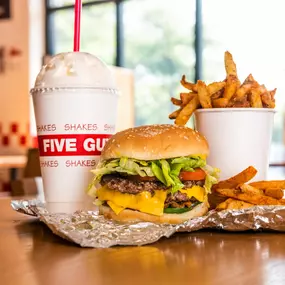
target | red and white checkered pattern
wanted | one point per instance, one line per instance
(14, 138)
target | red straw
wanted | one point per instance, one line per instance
(77, 16)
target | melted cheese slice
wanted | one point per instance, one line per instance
(203, 156)
(144, 201)
(196, 192)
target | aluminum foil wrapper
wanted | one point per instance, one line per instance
(255, 218)
(89, 229)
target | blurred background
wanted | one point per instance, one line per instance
(161, 40)
(153, 42)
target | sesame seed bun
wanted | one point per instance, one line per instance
(155, 142)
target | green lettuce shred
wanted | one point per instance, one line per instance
(124, 166)
(157, 171)
(171, 177)
(165, 170)
(212, 177)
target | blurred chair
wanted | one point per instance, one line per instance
(24, 187)
(32, 167)
(30, 183)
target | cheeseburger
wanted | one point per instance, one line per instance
(155, 173)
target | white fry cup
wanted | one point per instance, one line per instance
(238, 138)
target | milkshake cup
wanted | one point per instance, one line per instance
(75, 103)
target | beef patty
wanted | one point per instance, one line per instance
(124, 185)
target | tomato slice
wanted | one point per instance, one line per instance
(198, 174)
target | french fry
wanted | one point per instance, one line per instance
(272, 94)
(236, 204)
(239, 104)
(266, 97)
(266, 100)
(188, 85)
(215, 87)
(185, 114)
(228, 93)
(186, 97)
(250, 79)
(218, 94)
(255, 99)
(232, 204)
(238, 179)
(253, 198)
(203, 94)
(231, 87)
(230, 65)
(274, 193)
(174, 114)
(220, 102)
(176, 102)
(224, 205)
(272, 97)
(242, 92)
(262, 88)
(263, 185)
(246, 188)
(234, 195)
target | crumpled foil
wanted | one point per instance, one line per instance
(89, 229)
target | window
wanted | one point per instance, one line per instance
(63, 3)
(254, 38)
(98, 30)
(159, 46)
(159, 42)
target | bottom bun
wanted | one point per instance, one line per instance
(136, 216)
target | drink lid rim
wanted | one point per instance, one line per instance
(51, 89)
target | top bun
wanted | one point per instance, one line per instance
(155, 142)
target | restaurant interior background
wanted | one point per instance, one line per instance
(156, 40)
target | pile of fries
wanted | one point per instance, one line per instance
(229, 93)
(240, 195)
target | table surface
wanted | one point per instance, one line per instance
(31, 254)
(12, 161)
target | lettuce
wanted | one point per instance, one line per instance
(176, 168)
(212, 177)
(140, 168)
(124, 166)
(165, 170)
(157, 171)
(171, 177)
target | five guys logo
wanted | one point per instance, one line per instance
(72, 145)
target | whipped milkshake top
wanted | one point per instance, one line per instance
(75, 69)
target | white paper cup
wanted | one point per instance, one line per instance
(75, 104)
(238, 138)
(73, 126)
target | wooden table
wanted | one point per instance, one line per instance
(30, 255)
